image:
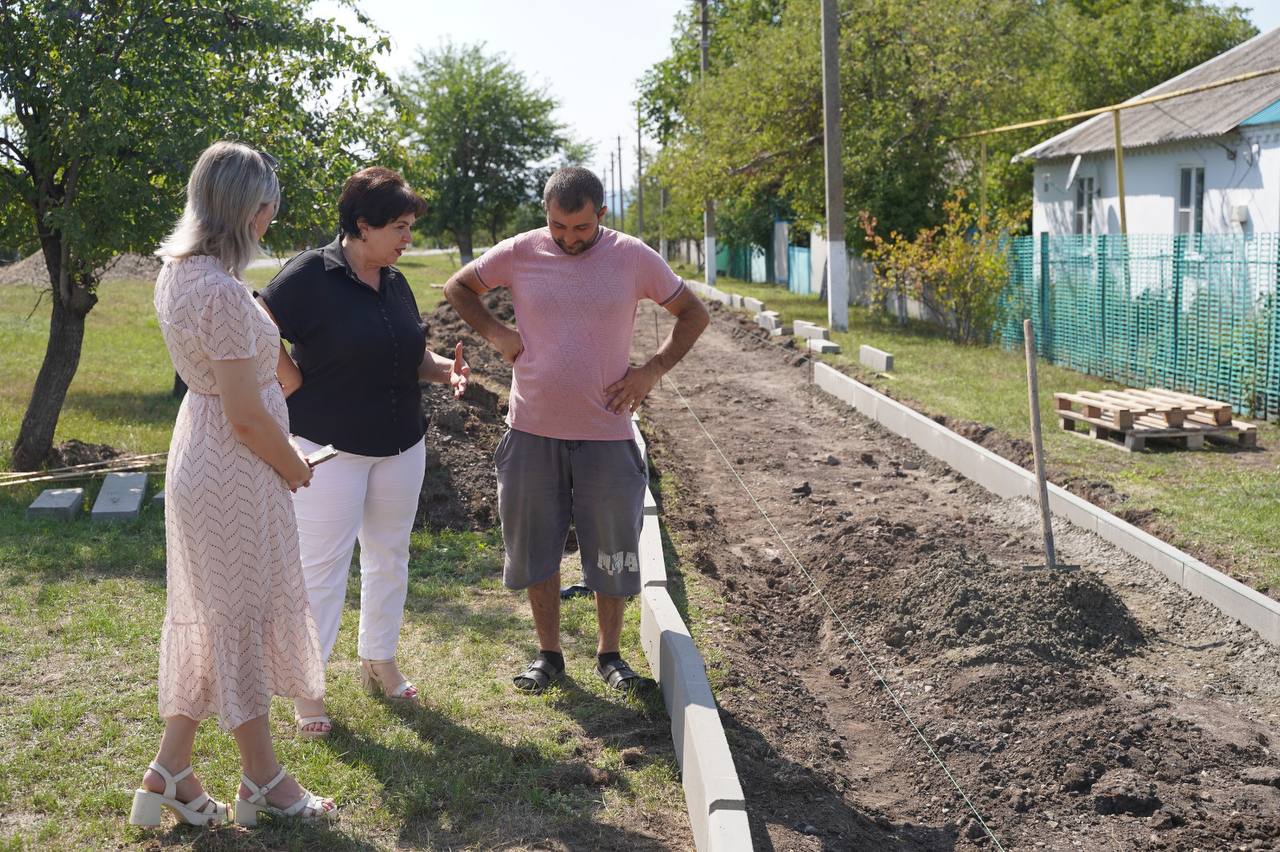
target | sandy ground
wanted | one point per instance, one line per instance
(1097, 708)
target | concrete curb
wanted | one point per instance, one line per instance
(1006, 479)
(712, 792)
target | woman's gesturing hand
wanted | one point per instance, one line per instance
(459, 372)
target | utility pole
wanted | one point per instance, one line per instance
(622, 189)
(709, 211)
(639, 177)
(613, 212)
(837, 257)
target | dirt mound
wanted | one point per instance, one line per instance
(31, 270)
(73, 452)
(460, 489)
(962, 607)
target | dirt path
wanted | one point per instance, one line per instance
(1101, 708)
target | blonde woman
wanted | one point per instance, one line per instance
(237, 628)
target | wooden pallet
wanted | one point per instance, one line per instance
(1129, 418)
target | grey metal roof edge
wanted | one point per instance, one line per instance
(1030, 153)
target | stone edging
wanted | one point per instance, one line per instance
(712, 792)
(1006, 479)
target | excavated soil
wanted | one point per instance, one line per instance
(31, 270)
(460, 488)
(1099, 707)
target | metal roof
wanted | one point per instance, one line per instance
(1203, 114)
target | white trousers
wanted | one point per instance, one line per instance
(372, 499)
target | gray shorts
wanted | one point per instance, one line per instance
(544, 484)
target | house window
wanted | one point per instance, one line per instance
(1084, 205)
(1191, 201)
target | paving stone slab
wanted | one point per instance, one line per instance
(61, 503)
(824, 347)
(813, 332)
(120, 498)
(875, 359)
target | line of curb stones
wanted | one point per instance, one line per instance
(712, 792)
(1006, 479)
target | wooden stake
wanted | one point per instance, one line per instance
(1033, 396)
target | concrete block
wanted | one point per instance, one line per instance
(650, 504)
(653, 567)
(1237, 600)
(120, 498)
(753, 305)
(823, 347)
(875, 359)
(157, 500)
(728, 831)
(780, 331)
(735, 300)
(769, 320)
(61, 503)
(811, 331)
(1075, 509)
(718, 295)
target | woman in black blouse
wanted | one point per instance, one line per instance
(359, 346)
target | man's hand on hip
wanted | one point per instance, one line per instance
(508, 342)
(626, 394)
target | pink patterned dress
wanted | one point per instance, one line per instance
(238, 628)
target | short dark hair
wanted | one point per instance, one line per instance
(572, 187)
(377, 195)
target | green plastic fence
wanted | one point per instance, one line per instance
(1196, 313)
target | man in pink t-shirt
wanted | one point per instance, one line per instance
(569, 456)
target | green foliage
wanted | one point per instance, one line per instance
(471, 132)
(915, 74)
(957, 269)
(111, 103)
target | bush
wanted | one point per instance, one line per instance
(957, 270)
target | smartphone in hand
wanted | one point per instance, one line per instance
(321, 455)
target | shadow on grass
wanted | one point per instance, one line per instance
(502, 795)
(138, 408)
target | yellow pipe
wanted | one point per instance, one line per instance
(1226, 81)
(1124, 220)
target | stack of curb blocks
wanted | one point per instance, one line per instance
(713, 794)
(119, 499)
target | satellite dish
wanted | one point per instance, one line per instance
(1071, 173)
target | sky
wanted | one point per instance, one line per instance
(588, 56)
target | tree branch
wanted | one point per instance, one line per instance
(760, 159)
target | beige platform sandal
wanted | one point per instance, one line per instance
(309, 806)
(147, 805)
(404, 692)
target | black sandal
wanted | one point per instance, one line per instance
(577, 590)
(538, 676)
(620, 676)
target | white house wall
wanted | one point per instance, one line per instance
(1152, 176)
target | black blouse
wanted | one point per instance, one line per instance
(358, 350)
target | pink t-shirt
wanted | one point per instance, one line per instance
(576, 314)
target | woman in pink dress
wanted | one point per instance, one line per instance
(237, 628)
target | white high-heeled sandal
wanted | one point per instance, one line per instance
(247, 810)
(147, 805)
(374, 685)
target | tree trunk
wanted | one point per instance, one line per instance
(61, 359)
(464, 245)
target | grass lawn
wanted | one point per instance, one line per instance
(480, 765)
(1220, 502)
